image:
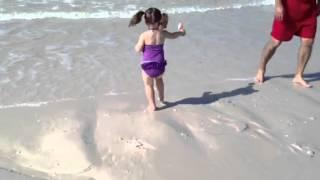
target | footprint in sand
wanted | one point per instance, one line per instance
(256, 130)
(312, 118)
(138, 143)
(306, 150)
(238, 126)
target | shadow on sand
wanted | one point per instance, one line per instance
(209, 97)
(88, 118)
(308, 77)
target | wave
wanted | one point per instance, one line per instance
(120, 13)
(45, 103)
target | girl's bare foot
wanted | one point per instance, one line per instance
(151, 108)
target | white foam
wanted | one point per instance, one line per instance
(112, 93)
(5, 81)
(39, 2)
(65, 61)
(51, 47)
(68, 1)
(126, 13)
(3, 70)
(55, 8)
(35, 104)
(43, 103)
(107, 41)
(20, 75)
(181, 10)
(241, 79)
(33, 74)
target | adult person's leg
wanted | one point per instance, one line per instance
(304, 54)
(267, 53)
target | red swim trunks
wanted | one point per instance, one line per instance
(300, 19)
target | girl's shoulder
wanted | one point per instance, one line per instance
(150, 33)
(143, 35)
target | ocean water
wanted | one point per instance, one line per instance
(56, 50)
(76, 9)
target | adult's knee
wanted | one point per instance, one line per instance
(274, 43)
(307, 42)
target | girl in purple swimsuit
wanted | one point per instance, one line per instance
(151, 43)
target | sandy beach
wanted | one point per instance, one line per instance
(73, 106)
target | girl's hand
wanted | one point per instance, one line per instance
(279, 12)
(181, 29)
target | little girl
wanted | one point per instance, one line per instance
(151, 44)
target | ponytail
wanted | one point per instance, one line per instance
(164, 20)
(164, 15)
(136, 18)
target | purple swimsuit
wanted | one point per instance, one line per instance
(153, 62)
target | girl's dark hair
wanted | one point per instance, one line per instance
(151, 16)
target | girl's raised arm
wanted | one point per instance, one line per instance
(173, 35)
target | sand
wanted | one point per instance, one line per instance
(74, 110)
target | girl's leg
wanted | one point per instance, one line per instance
(148, 85)
(160, 87)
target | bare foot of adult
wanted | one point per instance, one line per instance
(301, 82)
(259, 77)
